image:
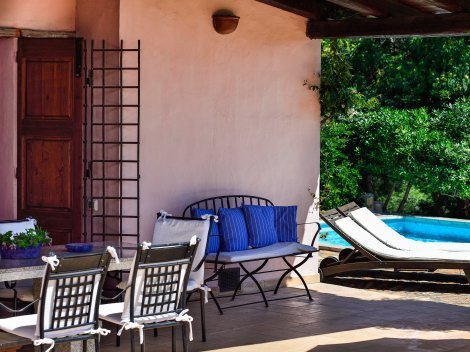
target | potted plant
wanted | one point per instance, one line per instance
(23, 245)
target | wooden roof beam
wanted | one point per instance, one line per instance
(439, 6)
(365, 9)
(452, 5)
(402, 26)
(307, 9)
(382, 8)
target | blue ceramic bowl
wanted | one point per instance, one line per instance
(79, 247)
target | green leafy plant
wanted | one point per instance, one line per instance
(32, 237)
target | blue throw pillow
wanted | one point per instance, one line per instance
(213, 242)
(285, 222)
(232, 227)
(260, 225)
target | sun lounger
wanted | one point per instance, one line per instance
(370, 253)
(390, 237)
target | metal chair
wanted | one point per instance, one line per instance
(155, 292)
(169, 229)
(68, 303)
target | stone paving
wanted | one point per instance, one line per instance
(339, 319)
(373, 312)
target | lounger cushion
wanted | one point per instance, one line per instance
(232, 227)
(275, 250)
(260, 225)
(285, 222)
(213, 243)
(391, 238)
(373, 245)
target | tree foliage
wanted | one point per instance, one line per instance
(395, 116)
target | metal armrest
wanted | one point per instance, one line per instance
(8, 309)
(316, 233)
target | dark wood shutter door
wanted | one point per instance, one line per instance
(50, 136)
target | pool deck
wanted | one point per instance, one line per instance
(339, 319)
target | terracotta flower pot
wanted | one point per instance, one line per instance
(225, 24)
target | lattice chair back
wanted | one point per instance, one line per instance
(70, 295)
(158, 282)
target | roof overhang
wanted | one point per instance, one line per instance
(377, 19)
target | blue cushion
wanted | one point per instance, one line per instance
(285, 222)
(232, 227)
(213, 242)
(260, 225)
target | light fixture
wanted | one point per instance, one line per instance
(224, 21)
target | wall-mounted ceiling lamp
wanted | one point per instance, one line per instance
(224, 21)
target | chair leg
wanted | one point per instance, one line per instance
(173, 339)
(142, 345)
(132, 340)
(183, 333)
(252, 277)
(97, 344)
(118, 338)
(216, 302)
(203, 314)
(294, 269)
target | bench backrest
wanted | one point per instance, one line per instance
(232, 201)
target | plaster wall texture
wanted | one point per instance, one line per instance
(98, 20)
(58, 15)
(224, 114)
(8, 78)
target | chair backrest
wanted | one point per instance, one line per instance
(348, 208)
(171, 229)
(70, 295)
(158, 281)
(330, 217)
(232, 201)
(17, 226)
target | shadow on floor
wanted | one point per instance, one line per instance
(403, 281)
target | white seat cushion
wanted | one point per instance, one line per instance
(25, 326)
(112, 312)
(168, 230)
(193, 285)
(275, 250)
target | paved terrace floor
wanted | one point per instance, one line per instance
(339, 319)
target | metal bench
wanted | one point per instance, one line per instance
(278, 250)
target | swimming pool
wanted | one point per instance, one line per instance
(413, 227)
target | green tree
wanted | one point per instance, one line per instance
(412, 72)
(339, 179)
(401, 118)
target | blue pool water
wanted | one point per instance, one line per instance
(413, 227)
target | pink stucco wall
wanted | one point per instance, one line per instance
(98, 20)
(8, 74)
(224, 114)
(51, 15)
